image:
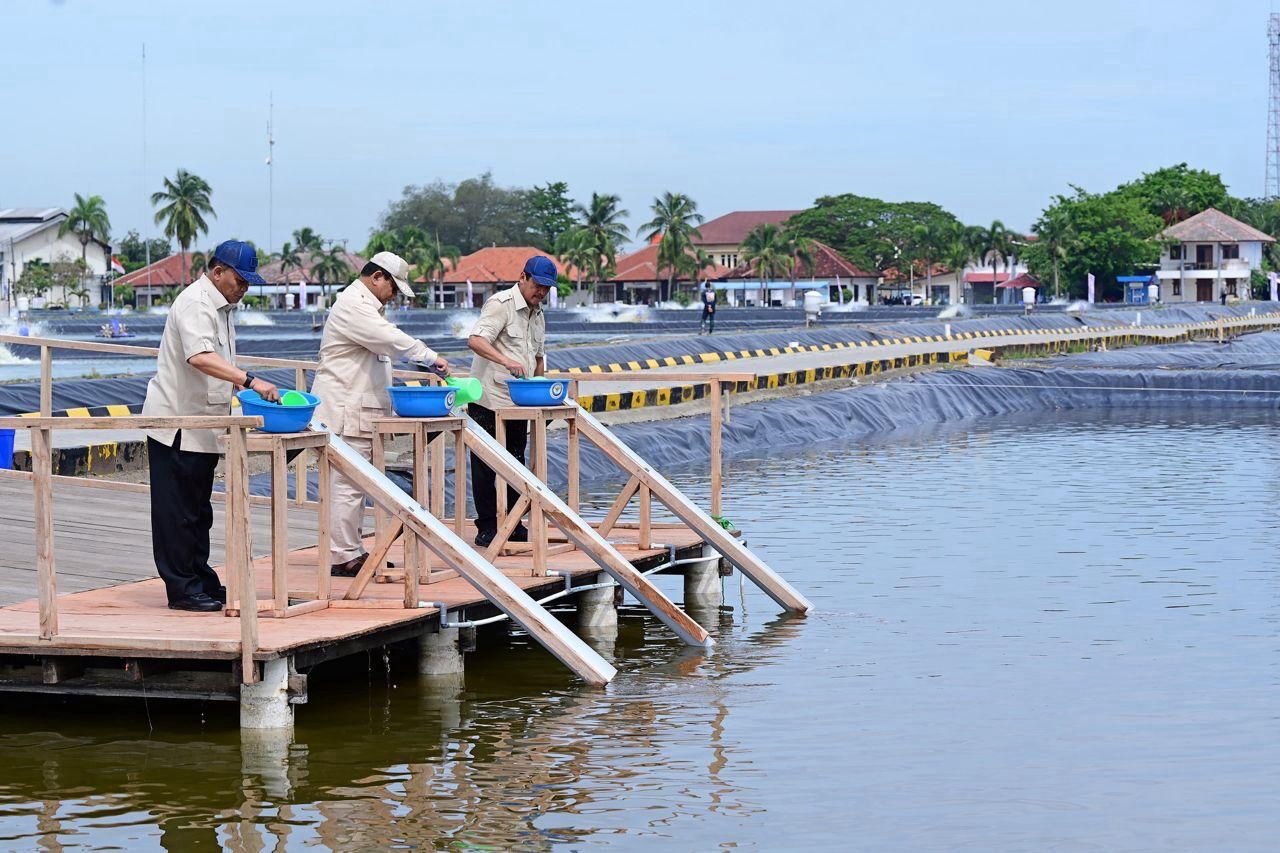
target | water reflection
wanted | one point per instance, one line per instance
(1043, 634)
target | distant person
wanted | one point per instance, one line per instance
(708, 296)
(356, 352)
(509, 340)
(196, 375)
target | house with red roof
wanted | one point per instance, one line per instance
(488, 270)
(638, 280)
(722, 236)
(1209, 257)
(830, 270)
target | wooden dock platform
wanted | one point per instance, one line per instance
(118, 637)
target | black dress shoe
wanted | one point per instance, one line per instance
(198, 603)
(350, 568)
(219, 594)
(484, 538)
(520, 534)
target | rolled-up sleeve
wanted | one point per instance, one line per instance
(376, 333)
(493, 319)
(197, 327)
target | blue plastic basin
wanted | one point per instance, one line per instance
(537, 392)
(275, 417)
(6, 448)
(422, 401)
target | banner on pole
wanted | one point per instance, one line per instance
(1091, 287)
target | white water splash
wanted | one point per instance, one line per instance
(955, 312)
(1077, 307)
(613, 312)
(252, 317)
(462, 322)
(158, 309)
(843, 308)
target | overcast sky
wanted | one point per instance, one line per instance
(987, 108)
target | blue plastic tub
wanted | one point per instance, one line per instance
(537, 392)
(422, 401)
(275, 417)
(6, 449)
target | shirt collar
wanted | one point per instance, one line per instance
(520, 303)
(215, 296)
(365, 293)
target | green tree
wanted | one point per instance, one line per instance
(469, 215)
(307, 240)
(870, 232)
(432, 260)
(577, 248)
(929, 240)
(768, 252)
(88, 219)
(124, 294)
(997, 246)
(957, 254)
(330, 268)
(1176, 192)
(675, 220)
(1056, 240)
(186, 200)
(290, 259)
(602, 219)
(36, 279)
(550, 211)
(802, 251)
(199, 263)
(133, 250)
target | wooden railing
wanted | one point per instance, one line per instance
(239, 561)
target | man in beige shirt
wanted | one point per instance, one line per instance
(356, 354)
(195, 375)
(509, 340)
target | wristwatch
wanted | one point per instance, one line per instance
(248, 379)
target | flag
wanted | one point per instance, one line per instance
(1275, 286)
(302, 294)
(839, 291)
(1091, 283)
(116, 266)
(470, 300)
(555, 295)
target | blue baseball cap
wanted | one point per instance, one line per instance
(542, 270)
(242, 258)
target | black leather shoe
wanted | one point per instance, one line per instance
(198, 603)
(484, 538)
(350, 568)
(520, 534)
(219, 595)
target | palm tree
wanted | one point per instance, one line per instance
(186, 199)
(80, 292)
(801, 249)
(577, 248)
(957, 255)
(1057, 235)
(929, 238)
(290, 259)
(88, 219)
(199, 263)
(431, 260)
(602, 219)
(767, 250)
(330, 268)
(675, 220)
(308, 240)
(997, 243)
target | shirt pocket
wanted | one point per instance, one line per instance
(218, 393)
(372, 407)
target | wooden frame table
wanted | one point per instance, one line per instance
(539, 418)
(279, 445)
(429, 436)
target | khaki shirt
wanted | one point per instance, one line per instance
(199, 321)
(515, 330)
(356, 354)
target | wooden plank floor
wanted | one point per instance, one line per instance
(110, 599)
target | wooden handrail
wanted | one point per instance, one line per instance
(651, 375)
(136, 422)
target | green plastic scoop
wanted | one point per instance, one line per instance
(294, 398)
(468, 389)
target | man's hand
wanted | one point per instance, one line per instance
(265, 390)
(441, 366)
(515, 368)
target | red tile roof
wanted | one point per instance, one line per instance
(984, 277)
(733, 228)
(1022, 280)
(643, 266)
(1214, 226)
(827, 263)
(497, 265)
(165, 272)
(271, 271)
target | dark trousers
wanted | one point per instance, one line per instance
(484, 486)
(181, 515)
(708, 316)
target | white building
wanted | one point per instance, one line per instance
(1212, 256)
(31, 234)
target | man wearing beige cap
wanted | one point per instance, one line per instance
(356, 353)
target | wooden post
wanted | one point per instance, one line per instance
(378, 456)
(716, 476)
(300, 461)
(239, 554)
(459, 481)
(322, 532)
(500, 490)
(42, 467)
(413, 550)
(574, 471)
(537, 521)
(46, 382)
(279, 529)
(646, 518)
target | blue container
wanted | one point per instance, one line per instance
(6, 449)
(537, 392)
(422, 401)
(275, 417)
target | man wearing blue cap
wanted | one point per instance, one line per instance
(196, 375)
(509, 340)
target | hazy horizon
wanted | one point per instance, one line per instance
(988, 109)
